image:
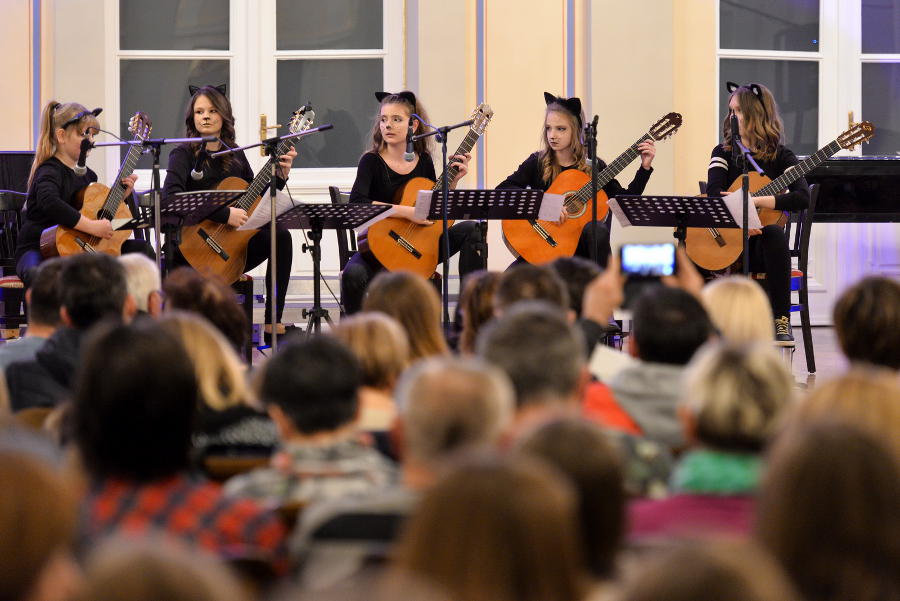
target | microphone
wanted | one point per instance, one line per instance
(409, 156)
(80, 168)
(197, 171)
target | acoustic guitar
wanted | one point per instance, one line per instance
(715, 249)
(539, 241)
(398, 243)
(218, 249)
(97, 201)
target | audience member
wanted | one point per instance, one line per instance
(739, 309)
(42, 300)
(310, 389)
(531, 282)
(498, 530)
(415, 304)
(669, 326)
(91, 288)
(144, 283)
(867, 322)
(227, 422)
(134, 406)
(476, 306)
(732, 397)
(576, 273)
(828, 512)
(381, 347)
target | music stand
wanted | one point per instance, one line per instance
(317, 217)
(679, 212)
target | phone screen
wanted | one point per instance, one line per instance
(648, 260)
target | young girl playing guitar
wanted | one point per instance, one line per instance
(563, 148)
(209, 114)
(53, 183)
(382, 172)
(761, 131)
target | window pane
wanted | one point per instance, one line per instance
(795, 85)
(335, 24)
(342, 93)
(769, 24)
(881, 88)
(173, 25)
(160, 89)
(881, 26)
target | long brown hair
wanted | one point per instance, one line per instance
(419, 146)
(477, 305)
(550, 167)
(223, 105)
(763, 129)
(53, 117)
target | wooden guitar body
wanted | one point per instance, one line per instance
(61, 241)
(218, 249)
(400, 244)
(718, 249)
(543, 241)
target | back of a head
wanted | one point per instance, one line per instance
(450, 405)
(315, 383)
(380, 345)
(142, 278)
(498, 530)
(710, 570)
(135, 402)
(576, 273)
(669, 325)
(739, 309)
(92, 288)
(476, 302)
(188, 290)
(867, 322)
(415, 304)
(38, 515)
(581, 451)
(44, 303)
(828, 512)
(530, 282)
(540, 351)
(735, 394)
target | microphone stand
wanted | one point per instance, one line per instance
(271, 146)
(738, 157)
(590, 137)
(440, 133)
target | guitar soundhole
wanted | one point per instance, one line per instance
(574, 208)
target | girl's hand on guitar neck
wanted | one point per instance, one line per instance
(128, 183)
(648, 150)
(461, 162)
(285, 161)
(237, 217)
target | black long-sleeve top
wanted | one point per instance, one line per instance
(529, 175)
(375, 181)
(723, 171)
(178, 174)
(50, 201)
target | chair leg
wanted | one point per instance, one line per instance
(806, 327)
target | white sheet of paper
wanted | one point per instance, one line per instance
(618, 212)
(551, 207)
(262, 214)
(363, 228)
(735, 202)
(606, 362)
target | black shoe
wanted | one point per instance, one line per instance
(289, 333)
(784, 334)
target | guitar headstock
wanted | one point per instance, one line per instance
(140, 125)
(481, 116)
(302, 119)
(856, 135)
(666, 126)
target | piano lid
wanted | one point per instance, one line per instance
(858, 189)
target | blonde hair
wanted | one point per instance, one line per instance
(739, 309)
(221, 378)
(380, 344)
(763, 129)
(53, 117)
(550, 167)
(735, 393)
(141, 278)
(867, 397)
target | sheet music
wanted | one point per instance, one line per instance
(262, 215)
(618, 213)
(735, 204)
(551, 205)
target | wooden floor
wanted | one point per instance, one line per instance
(827, 353)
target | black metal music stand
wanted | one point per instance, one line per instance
(679, 212)
(315, 218)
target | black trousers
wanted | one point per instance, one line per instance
(769, 253)
(362, 267)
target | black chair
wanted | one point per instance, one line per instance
(346, 239)
(12, 291)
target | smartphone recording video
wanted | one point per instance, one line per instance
(643, 265)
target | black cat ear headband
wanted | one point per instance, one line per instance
(754, 88)
(194, 89)
(79, 116)
(405, 95)
(573, 104)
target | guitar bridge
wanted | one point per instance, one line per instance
(542, 232)
(84, 245)
(717, 236)
(217, 248)
(404, 244)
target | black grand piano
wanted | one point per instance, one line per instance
(863, 189)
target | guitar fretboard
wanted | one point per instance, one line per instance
(800, 169)
(117, 192)
(465, 146)
(262, 179)
(612, 169)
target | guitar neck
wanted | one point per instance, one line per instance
(117, 192)
(262, 179)
(612, 170)
(465, 146)
(800, 169)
